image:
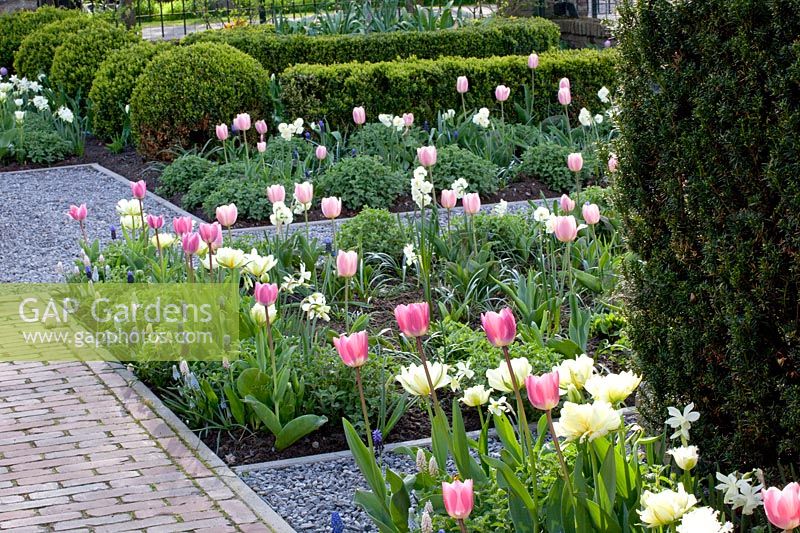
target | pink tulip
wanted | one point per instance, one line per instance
(182, 225)
(458, 498)
(139, 189)
(471, 203)
(346, 264)
(266, 293)
(591, 213)
(331, 207)
(210, 233)
(359, 115)
(500, 328)
(613, 163)
(426, 155)
(413, 319)
(408, 119)
(155, 222)
(566, 228)
(227, 215)
(222, 132)
(449, 199)
(575, 161)
(566, 203)
(564, 96)
(303, 192)
(462, 85)
(783, 506)
(276, 193)
(261, 127)
(242, 122)
(261, 147)
(78, 213)
(543, 390)
(191, 243)
(533, 61)
(354, 350)
(502, 93)
(563, 83)
(321, 152)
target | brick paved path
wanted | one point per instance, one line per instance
(82, 450)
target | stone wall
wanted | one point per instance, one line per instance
(583, 32)
(9, 6)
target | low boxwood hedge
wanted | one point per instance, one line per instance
(14, 27)
(35, 54)
(497, 37)
(426, 86)
(184, 92)
(114, 82)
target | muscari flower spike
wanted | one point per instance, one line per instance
(337, 526)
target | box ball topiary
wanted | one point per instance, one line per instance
(14, 27)
(708, 192)
(114, 82)
(453, 163)
(372, 231)
(362, 181)
(35, 53)
(77, 59)
(179, 175)
(184, 92)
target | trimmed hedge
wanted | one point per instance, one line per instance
(709, 195)
(76, 61)
(14, 27)
(184, 92)
(497, 37)
(35, 54)
(426, 86)
(114, 83)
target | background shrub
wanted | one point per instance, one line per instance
(14, 27)
(362, 181)
(547, 162)
(178, 177)
(495, 37)
(35, 53)
(708, 191)
(372, 230)
(77, 59)
(454, 163)
(45, 146)
(426, 86)
(185, 91)
(114, 82)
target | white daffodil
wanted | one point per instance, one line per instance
(585, 117)
(500, 209)
(603, 93)
(500, 378)
(459, 187)
(463, 370)
(728, 486)
(385, 119)
(541, 214)
(414, 380)
(280, 214)
(316, 307)
(420, 173)
(449, 114)
(749, 497)
(682, 422)
(499, 406)
(410, 256)
(65, 114)
(481, 118)
(41, 103)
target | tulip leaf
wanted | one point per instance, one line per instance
(235, 403)
(366, 462)
(440, 438)
(505, 432)
(467, 466)
(253, 382)
(588, 280)
(607, 481)
(375, 507)
(602, 521)
(264, 414)
(564, 346)
(400, 500)
(297, 429)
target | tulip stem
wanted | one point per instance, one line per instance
(421, 350)
(346, 306)
(141, 214)
(522, 417)
(462, 526)
(463, 105)
(364, 409)
(557, 446)
(83, 232)
(189, 270)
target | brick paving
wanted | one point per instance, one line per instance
(82, 450)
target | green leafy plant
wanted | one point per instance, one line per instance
(547, 162)
(454, 163)
(362, 181)
(372, 231)
(178, 176)
(45, 146)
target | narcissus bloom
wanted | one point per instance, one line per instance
(500, 378)
(414, 381)
(458, 498)
(665, 507)
(587, 422)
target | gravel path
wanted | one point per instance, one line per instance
(37, 233)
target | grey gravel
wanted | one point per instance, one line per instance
(36, 231)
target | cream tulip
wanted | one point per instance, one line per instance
(414, 381)
(500, 378)
(587, 422)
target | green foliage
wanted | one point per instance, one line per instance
(35, 53)
(547, 162)
(374, 231)
(426, 86)
(374, 138)
(708, 193)
(178, 177)
(453, 163)
(362, 181)
(504, 233)
(45, 146)
(184, 92)
(77, 59)
(497, 37)
(114, 82)
(249, 195)
(14, 27)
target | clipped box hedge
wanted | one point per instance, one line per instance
(14, 27)
(492, 38)
(35, 54)
(427, 86)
